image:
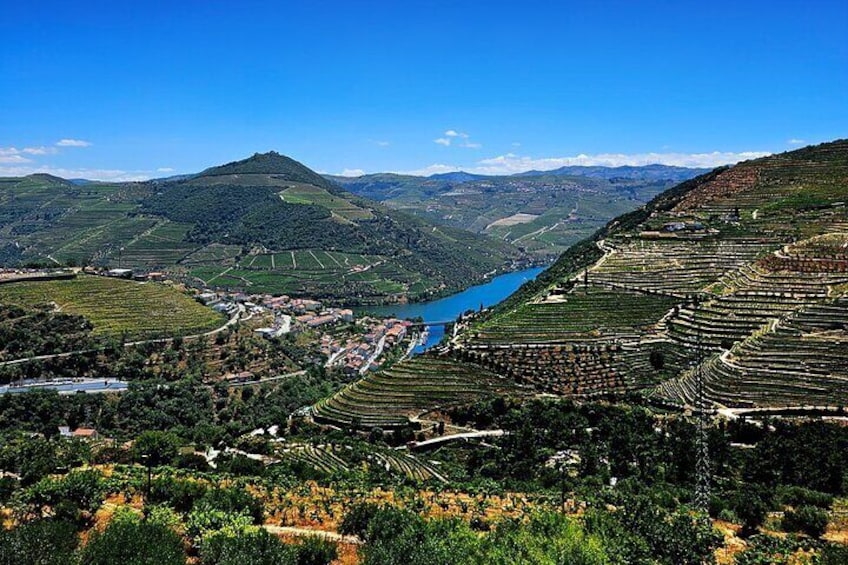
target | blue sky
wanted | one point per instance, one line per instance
(141, 89)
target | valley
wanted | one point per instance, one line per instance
(542, 213)
(574, 402)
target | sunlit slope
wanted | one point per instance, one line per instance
(118, 308)
(728, 262)
(409, 390)
(263, 224)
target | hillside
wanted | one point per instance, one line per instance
(263, 224)
(541, 212)
(742, 271)
(110, 308)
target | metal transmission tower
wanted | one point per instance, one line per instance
(702, 462)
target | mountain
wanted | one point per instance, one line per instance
(739, 275)
(645, 172)
(541, 212)
(266, 223)
(458, 176)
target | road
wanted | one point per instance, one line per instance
(455, 437)
(377, 352)
(268, 379)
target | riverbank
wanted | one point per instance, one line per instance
(435, 312)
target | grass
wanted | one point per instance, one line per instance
(118, 307)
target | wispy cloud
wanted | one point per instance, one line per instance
(67, 142)
(511, 163)
(352, 173)
(165, 170)
(460, 137)
(431, 170)
(15, 155)
(795, 141)
(381, 143)
(115, 175)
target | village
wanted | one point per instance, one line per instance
(350, 343)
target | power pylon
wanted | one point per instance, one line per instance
(702, 447)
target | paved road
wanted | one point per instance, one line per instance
(455, 437)
(268, 379)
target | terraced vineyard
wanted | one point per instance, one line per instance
(263, 224)
(800, 361)
(726, 262)
(117, 307)
(323, 458)
(389, 398)
(562, 318)
(330, 459)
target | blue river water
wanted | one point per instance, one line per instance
(450, 307)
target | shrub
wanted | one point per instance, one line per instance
(42, 542)
(807, 519)
(130, 542)
(357, 519)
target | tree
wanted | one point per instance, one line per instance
(156, 448)
(42, 542)
(807, 519)
(133, 542)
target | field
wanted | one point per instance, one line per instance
(119, 307)
(315, 272)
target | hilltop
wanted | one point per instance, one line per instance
(542, 212)
(742, 271)
(263, 224)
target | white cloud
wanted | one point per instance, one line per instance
(72, 143)
(516, 144)
(39, 150)
(352, 173)
(115, 175)
(12, 155)
(382, 143)
(165, 170)
(795, 141)
(430, 170)
(15, 155)
(511, 163)
(452, 135)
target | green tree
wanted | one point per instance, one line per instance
(42, 542)
(132, 542)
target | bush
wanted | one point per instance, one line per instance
(42, 542)
(834, 554)
(130, 542)
(255, 546)
(807, 519)
(180, 494)
(357, 519)
(800, 496)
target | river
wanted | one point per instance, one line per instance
(450, 307)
